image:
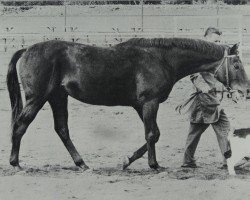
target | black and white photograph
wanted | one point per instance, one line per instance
(116, 99)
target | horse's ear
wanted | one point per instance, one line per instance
(234, 49)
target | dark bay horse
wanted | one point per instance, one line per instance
(138, 73)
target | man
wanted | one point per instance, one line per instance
(205, 111)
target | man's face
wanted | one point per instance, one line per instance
(213, 37)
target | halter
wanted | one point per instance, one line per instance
(225, 58)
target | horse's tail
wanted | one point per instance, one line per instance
(13, 86)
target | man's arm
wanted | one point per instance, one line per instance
(199, 83)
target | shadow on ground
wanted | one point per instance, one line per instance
(200, 173)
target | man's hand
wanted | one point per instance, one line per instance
(235, 96)
(205, 89)
(208, 90)
(199, 83)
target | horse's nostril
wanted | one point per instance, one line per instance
(248, 94)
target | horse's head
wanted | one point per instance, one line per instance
(231, 72)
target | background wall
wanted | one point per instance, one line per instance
(106, 25)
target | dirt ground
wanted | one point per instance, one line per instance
(103, 135)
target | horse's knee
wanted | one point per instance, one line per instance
(153, 137)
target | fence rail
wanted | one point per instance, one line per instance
(109, 25)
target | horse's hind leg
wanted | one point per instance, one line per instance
(59, 105)
(136, 155)
(20, 126)
(141, 151)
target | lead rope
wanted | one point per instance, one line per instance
(227, 79)
(227, 75)
(229, 89)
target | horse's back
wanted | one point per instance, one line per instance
(95, 75)
(91, 74)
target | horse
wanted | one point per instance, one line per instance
(139, 73)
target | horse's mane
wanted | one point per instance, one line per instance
(201, 46)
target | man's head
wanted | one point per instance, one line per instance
(212, 34)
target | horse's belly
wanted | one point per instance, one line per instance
(101, 93)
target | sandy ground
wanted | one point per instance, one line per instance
(103, 135)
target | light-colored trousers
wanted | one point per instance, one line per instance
(221, 128)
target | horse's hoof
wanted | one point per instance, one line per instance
(125, 163)
(17, 168)
(83, 167)
(161, 169)
(154, 166)
(157, 167)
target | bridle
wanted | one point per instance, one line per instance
(225, 59)
(228, 88)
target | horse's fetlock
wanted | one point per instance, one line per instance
(80, 162)
(14, 161)
(153, 165)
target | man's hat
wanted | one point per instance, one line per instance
(211, 30)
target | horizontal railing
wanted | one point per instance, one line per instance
(21, 28)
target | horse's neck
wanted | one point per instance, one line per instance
(193, 63)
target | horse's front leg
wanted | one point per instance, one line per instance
(128, 160)
(59, 105)
(152, 132)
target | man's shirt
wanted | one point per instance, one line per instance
(204, 108)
